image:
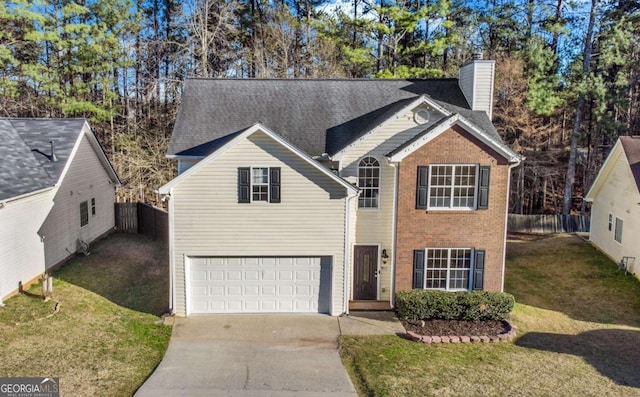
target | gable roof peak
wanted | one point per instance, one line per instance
(244, 134)
(26, 164)
(631, 146)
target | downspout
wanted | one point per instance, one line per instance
(506, 218)
(347, 252)
(394, 221)
(172, 292)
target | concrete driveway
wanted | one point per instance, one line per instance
(251, 355)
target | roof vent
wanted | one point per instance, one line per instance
(477, 56)
(53, 156)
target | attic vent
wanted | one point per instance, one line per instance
(53, 158)
(476, 56)
(421, 116)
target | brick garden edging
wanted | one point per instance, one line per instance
(506, 336)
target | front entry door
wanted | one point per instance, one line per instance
(365, 274)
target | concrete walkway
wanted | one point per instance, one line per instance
(260, 355)
(370, 323)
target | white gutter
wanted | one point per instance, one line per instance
(347, 252)
(506, 218)
(4, 202)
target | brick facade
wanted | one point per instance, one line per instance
(479, 229)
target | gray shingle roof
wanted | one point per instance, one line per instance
(315, 115)
(25, 163)
(631, 146)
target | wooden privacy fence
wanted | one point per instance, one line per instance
(127, 217)
(547, 224)
(143, 219)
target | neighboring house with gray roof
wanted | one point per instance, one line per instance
(615, 210)
(57, 188)
(330, 195)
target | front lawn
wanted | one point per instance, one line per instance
(104, 340)
(579, 334)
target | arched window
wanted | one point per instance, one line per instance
(369, 182)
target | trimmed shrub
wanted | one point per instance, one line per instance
(421, 304)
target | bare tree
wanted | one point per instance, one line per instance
(211, 26)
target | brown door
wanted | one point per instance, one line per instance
(365, 274)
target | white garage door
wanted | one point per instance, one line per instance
(259, 285)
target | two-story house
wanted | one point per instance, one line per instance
(326, 195)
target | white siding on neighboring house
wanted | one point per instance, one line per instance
(21, 250)
(618, 195)
(85, 179)
(207, 219)
(375, 226)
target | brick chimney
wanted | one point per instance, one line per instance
(476, 82)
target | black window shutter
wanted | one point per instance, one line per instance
(423, 187)
(483, 187)
(418, 269)
(274, 184)
(244, 185)
(478, 270)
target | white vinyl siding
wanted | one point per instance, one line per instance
(209, 221)
(476, 83)
(86, 179)
(376, 227)
(21, 249)
(618, 196)
(483, 95)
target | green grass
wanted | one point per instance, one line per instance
(130, 270)
(96, 346)
(578, 318)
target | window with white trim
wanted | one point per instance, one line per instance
(452, 186)
(617, 235)
(259, 184)
(84, 213)
(610, 222)
(369, 183)
(448, 269)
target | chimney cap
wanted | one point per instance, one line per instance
(476, 55)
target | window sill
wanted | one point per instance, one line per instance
(448, 211)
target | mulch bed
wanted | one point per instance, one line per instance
(456, 327)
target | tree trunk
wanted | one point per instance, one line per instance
(556, 34)
(567, 201)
